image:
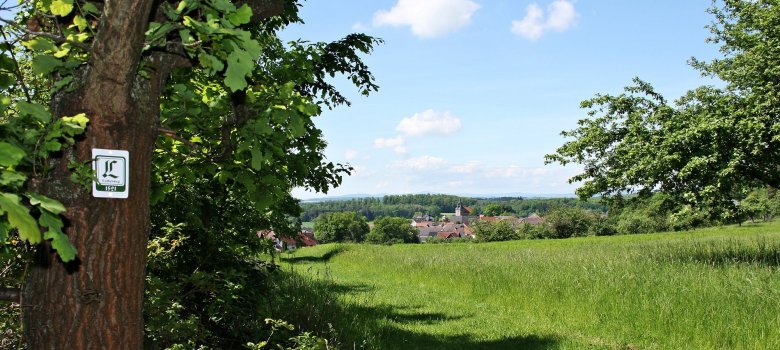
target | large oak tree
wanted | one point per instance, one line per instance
(237, 107)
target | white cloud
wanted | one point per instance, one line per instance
(429, 122)
(516, 171)
(359, 170)
(428, 18)
(466, 168)
(398, 144)
(420, 163)
(359, 26)
(389, 142)
(561, 16)
(350, 154)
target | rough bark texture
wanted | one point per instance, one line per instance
(96, 302)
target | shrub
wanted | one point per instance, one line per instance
(565, 222)
(388, 230)
(495, 231)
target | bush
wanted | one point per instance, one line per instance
(601, 227)
(495, 231)
(389, 230)
(340, 227)
(565, 222)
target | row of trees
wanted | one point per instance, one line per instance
(434, 204)
(658, 213)
(353, 227)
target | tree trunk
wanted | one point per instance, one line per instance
(96, 302)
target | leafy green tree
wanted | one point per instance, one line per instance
(708, 146)
(565, 222)
(760, 204)
(390, 230)
(193, 90)
(340, 227)
(501, 230)
(496, 209)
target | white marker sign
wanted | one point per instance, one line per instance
(112, 173)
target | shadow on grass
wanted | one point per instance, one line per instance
(293, 259)
(320, 306)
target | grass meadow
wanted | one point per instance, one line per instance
(715, 288)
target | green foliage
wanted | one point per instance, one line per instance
(392, 230)
(206, 282)
(340, 227)
(565, 222)
(708, 146)
(502, 230)
(29, 135)
(240, 135)
(431, 204)
(496, 209)
(303, 341)
(760, 204)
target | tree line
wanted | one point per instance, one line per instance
(407, 206)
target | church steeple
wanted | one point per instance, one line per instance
(459, 209)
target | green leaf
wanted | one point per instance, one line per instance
(50, 146)
(19, 218)
(40, 44)
(310, 109)
(6, 80)
(10, 155)
(222, 5)
(257, 159)
(63, 51)
(34, 110)
(80, 23)
(7, 63)
(89, 7)
(78, 121)
(182, 6)
(45, 64)
(240, 65)
(210, 63)
(241, 16)
(59, 84)
(59, 241)
(61, 8)
(47, 203)
(3, 232)
(12, 178)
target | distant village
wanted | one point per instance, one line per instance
(447, 226)
(458, 224)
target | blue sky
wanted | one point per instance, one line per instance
(474, 93)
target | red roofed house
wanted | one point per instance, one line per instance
(304, 239)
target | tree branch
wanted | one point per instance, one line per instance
(172, 134)
(262, 9)
(56, 38)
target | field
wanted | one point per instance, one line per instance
(717, 288)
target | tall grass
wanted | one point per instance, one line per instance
(709, 289)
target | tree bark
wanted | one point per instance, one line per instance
(96, 302)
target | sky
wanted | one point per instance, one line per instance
(474, 93)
